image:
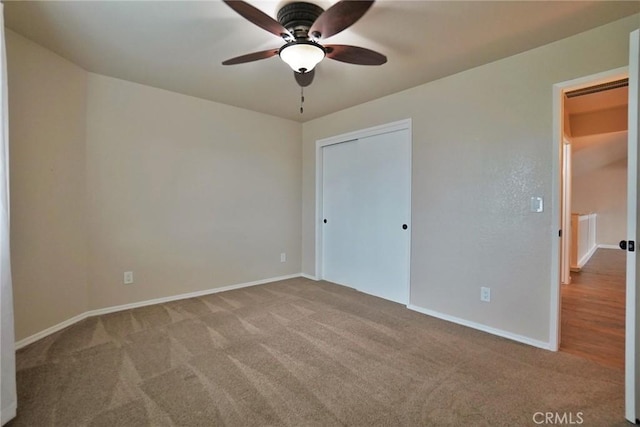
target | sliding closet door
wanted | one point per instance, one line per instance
(366, 203)
(384, 202)
(339, 213)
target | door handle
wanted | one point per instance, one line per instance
(630, 245)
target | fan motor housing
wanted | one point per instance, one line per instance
(298, 17)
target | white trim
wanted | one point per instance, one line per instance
(364, 133)
(565, 213)
(631, 381)
(35, 337)
(405, 124)
(308, 276)
(603, 246)
(592, 246)
(53, 329)
(483, 328)
(319, 209)
(585, 259)
(556, 221)
(9, 413)
(556, 194)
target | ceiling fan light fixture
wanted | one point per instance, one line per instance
(302, 56)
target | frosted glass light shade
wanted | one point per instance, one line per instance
(302, 57)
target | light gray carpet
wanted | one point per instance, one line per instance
(299, 353)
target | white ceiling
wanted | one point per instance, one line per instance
(179, 45)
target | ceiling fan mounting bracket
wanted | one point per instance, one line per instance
(298, 17)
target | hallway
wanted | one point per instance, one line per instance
(593, 309)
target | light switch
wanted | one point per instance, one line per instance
(537, 204)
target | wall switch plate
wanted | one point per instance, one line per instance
(537, 204)
(283, 257)
(485, 294)
(128, 277)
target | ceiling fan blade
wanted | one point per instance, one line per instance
(354, 54)
(259, 18)
(305, 79)
(249, 57)
(341, 15)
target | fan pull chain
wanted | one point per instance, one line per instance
(301, 100)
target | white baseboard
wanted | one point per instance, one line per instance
(187, 295)
(603, 246)
(35, 337)
(585, 259)
(308, 276)
(53, 329)
(483, 328)
(9, 412)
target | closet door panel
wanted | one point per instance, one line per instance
(384, 208)
(340, 228)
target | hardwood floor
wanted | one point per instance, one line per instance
(593, 309)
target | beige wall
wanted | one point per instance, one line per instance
(47, 97)
(599, 183)
(186, 193)
(482, 146)
(191, 195)
(109, 176)
(602, 121)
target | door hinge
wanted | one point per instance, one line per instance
(559, 233)
(632, 246)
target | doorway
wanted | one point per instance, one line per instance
(594, 216)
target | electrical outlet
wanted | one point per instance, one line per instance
(128, 277)
(283, 257)
(485, 294)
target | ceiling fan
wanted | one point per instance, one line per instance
(302, 25)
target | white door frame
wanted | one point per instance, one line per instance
(565, 263)
(631, 359)
(346, 137)
(556, 187)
